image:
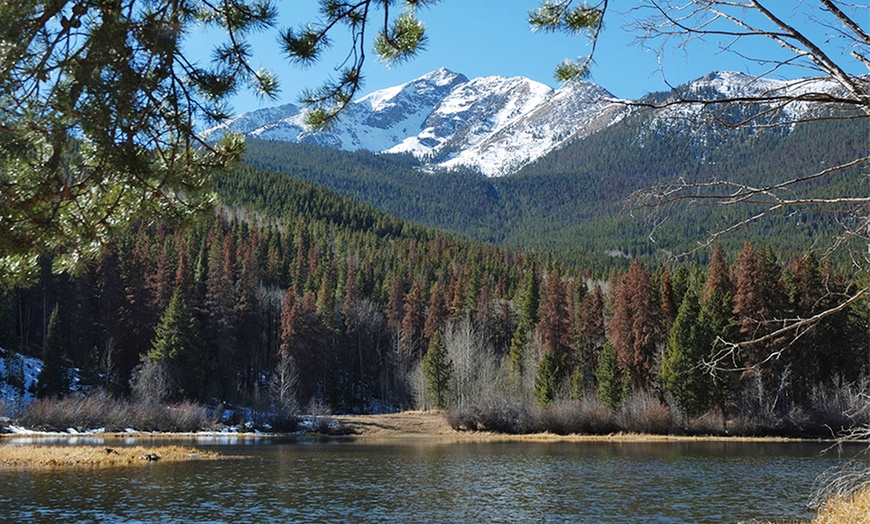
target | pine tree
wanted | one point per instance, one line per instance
(718, 275)
(670, 306)
(221, 320)
(177, 343)
(758, 303)
(590, 334)
(547, 379)
(553, 324)
(436, 315)
(412, 326)
(635, 327)
(517, 352)
(717, 319)
(53, 379)
(683, 374)
(437, 371)
(609, 378)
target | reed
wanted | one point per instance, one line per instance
(54, 457)
(854, 509)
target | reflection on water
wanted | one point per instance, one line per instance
(420, 480)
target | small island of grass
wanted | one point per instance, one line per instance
(52, 457)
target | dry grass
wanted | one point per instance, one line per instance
(854, 509)
(51, 457)
(435, 424)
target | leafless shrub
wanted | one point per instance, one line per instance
(100, 411)
(493, 413)
(642, 412)
(79, 413)
(187, 416)
(572, 417)
(707, 423)
(842, 407)
(597, 418)
(321, 416)
(152, 382)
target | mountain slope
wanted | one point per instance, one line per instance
(492, 125)
(574, 200)
(497, 125)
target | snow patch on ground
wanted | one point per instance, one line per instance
(18, 379)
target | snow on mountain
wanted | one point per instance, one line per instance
(561, 115)
(494, 125)
(458, 128)
(725, 85)
(375, 122)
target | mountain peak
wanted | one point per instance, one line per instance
(494, 125)
(442, 77)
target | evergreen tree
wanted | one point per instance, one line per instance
(517, 352)
(53, 379)
(683, 374)
(436, 315)
(590, 335)
(411, 336)
(635, 327)
(177, 343)
(437, 371)
(221, 321)
(609, 377)
(670, 306)
(717, 319)
(758, 304)
(718, 275)
(553, 324)
(578, 384)
(547, 379)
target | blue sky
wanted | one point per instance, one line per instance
(492, 37)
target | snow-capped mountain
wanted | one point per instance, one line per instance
(492, 124)
(496, 125)
(786, 100)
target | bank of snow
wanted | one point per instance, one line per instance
(18, 380)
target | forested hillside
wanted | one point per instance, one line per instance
(293, 294)
(576, 200)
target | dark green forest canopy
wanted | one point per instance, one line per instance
(580, 201)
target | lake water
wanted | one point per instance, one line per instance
(430, 480)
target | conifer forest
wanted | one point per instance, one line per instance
(289, 296)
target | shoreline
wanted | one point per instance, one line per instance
(396, 426)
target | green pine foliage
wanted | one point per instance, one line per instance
(609, 378)
(438, 372)
(529, 298)
(517, 353)
(547, 379)
(177, 344)
(580, 191)
(53, 379)
(683, 373)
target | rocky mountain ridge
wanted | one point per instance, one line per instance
(496, 125)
